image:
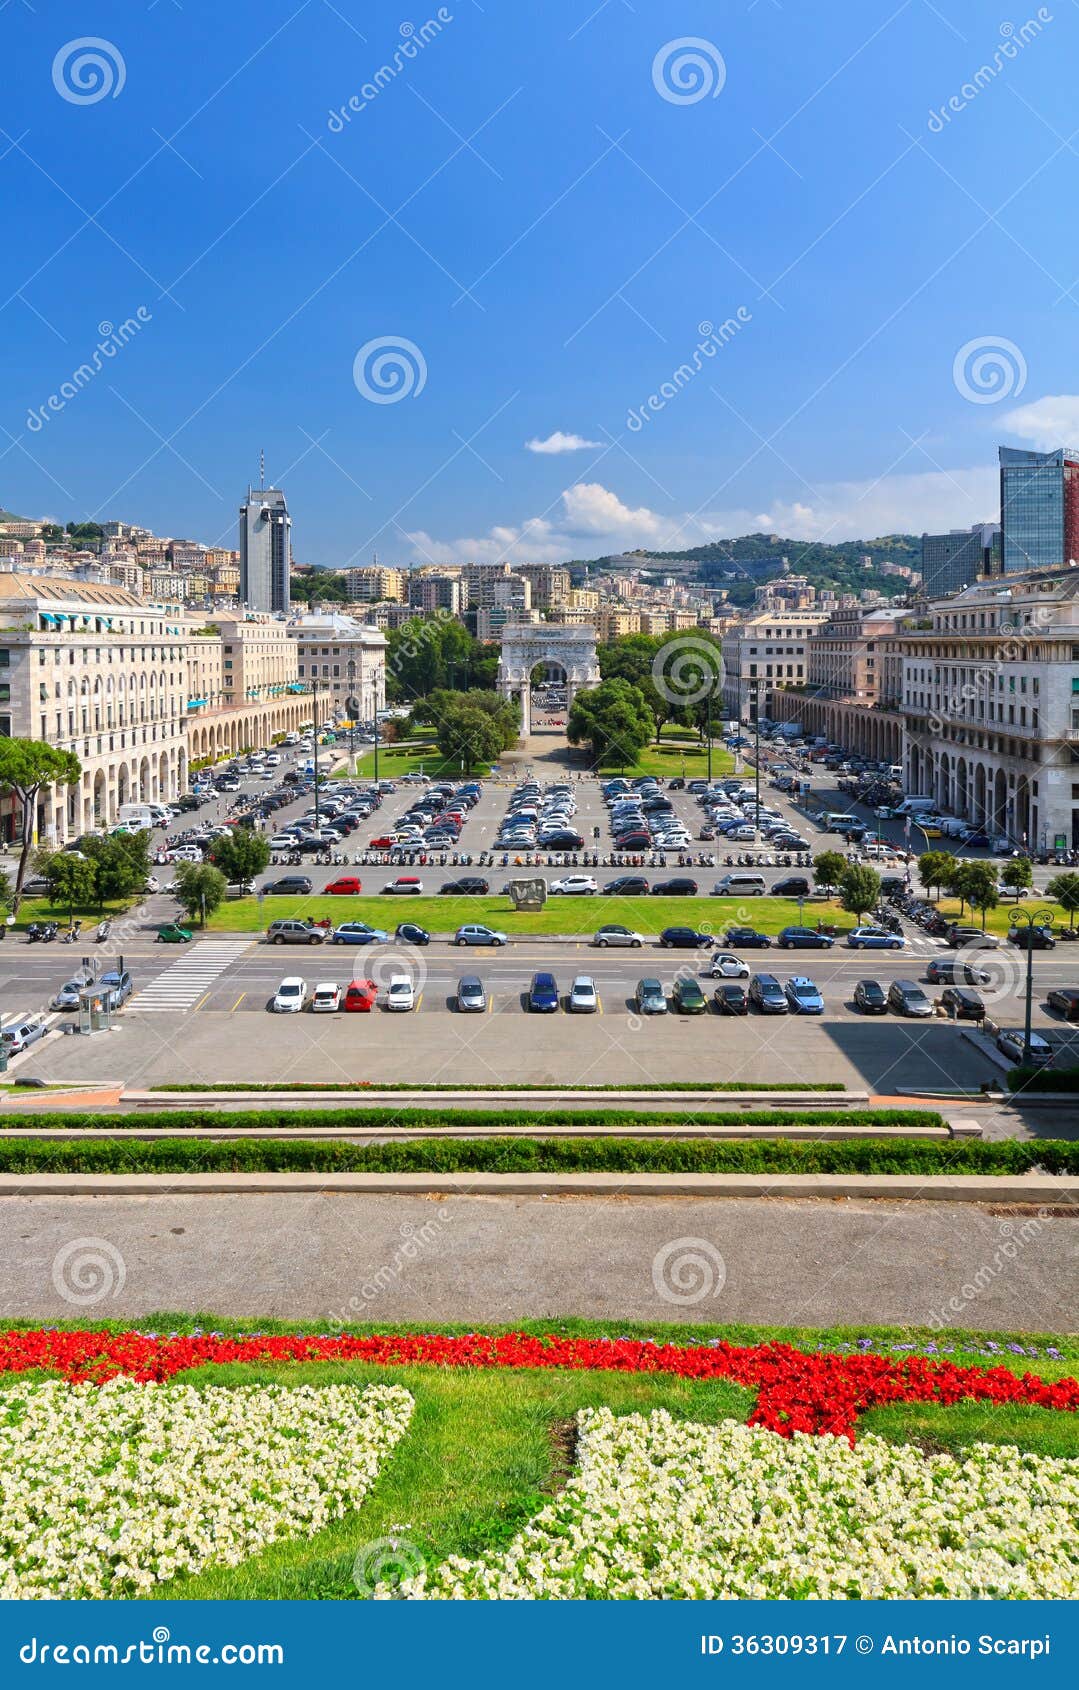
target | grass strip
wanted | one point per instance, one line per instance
(554, 1156)
(431, 1120)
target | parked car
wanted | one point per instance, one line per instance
(875, 939)
(345, 886)
(684, 939)
(1065, 1000)
(583, 997)
(679, 887)
(401, 992)
(804, 939)
(962, 1003)
(470, 885)
(803, 996)
(746, 939)
(627, 886)
(326, 998)
(406, 885)
(1032, 939)
(357, 933)
(793, 886)
(360, 996)
(477, 933)
(575, 885)
(116, 987)
(295, 933)
(68, 995)
(613, 934)
(945, 971)
(870, 998)
(731, 999)
(290, 997)
(1010, 1043)
(907, 998)
(471, 997)
(20, 1035)
(411, 933)
(287, 886)
(173, 934)
(650, 998)
(543, 993)
(767, 995)
(687, 997)
(962, 937)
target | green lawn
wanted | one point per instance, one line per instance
(677, 756)
(1000, 919)
(418, 755)
(574, 916)
(41, 909)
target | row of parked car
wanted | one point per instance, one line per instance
(540, 819)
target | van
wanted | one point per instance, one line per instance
(838, 821)
(914, 805)
(740, 886)
(138, 815)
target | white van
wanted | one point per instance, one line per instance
(914, 805)
(140, 815)
(740, 886)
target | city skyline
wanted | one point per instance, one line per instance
(521, 317)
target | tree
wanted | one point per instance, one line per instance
(71, 880)
(829, 869)
(614, 720)
(121, 864)
(1018, 874)
(240, 853)
(936, 869)
(1064, 890)
(468, 734)
(199, 889)
(26, 766)
(976, 884)
(859, 888)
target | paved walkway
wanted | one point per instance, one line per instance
(489, 1258)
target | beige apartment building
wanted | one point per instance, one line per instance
(848, 694)
(347, 659)
(772, 649)
(377, 584)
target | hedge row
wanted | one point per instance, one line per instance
(511, 1156)
(431, 1120)
(403, 1085)
(1043, 1079)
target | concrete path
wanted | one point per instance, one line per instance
(507, 1258)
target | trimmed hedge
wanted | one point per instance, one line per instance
(430, 1120)
(1043, 1079)
(511, 1156)
(403, 1085)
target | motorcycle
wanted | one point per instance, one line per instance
(49, 931)
(33, 933)
(103, 931)
(72, 933)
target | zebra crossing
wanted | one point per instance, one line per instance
(185, 981)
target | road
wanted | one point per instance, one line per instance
(505, 1259)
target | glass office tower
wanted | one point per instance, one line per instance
(1039, 509)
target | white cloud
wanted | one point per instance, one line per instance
(1046, 423)
(559, 442)
(589, 520)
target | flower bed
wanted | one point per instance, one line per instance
(797, 1391)
(661, 1509)
(108, 1492)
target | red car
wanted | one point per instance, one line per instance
(384, 843)
(347, 886)
(360, 995)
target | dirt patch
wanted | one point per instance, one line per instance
(563, 1437)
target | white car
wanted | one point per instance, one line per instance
(400, 993)
(186, 854)
(326, 998)
(20, 1035)
(1010, 1043)
(612, 934)
(726, 967)
(291, 995)
(585, 885)
(583, 998)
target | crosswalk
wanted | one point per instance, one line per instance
(185, 981)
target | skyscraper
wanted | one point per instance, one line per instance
(265, 549)
(1039, 509)
(958, 559)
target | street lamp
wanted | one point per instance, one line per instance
(1031, 919)
(350, 671)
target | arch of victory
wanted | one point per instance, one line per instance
(525, 644)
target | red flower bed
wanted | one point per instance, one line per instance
(796, 1391)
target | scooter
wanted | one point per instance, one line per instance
(72, 933)
(103, 931)
(49, 931)
(33, 933)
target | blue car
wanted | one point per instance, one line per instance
(875, 939)
(804, 997)
(357, 933)
(804, 938)
(543, 994)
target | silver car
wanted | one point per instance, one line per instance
(20, 1035)
(471, 997)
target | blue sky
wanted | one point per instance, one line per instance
(527, 231)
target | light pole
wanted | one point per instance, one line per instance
(757, 741)
(708, 734)
(1031, 919)
(314, 736)
(350, 671)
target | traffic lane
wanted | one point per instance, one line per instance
(480, 1259)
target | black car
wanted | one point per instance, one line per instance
(794, 886)
(411, 933)
(680, 887)
(627, 886)
(633, 842)
(290, 885)
(869, 997)
(1032, 939)
(1065, 1000)
(730, 998)
(891, 883)
(767, 995)
(962, 1003)
(677, 783)
(746, 939)
(942, 971)
(684, 939)
(470, 886)
(563, 841)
